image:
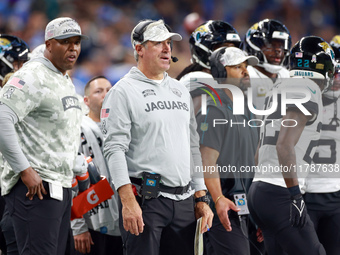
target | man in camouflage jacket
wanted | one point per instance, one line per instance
(40, 118)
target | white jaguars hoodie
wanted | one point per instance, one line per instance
(150, 126)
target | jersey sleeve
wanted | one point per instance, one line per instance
(79, 226)
(210, 128)
(116, 128)
(22, 93)
(197, 178)
(9, 144)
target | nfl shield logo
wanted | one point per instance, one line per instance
(204, 126)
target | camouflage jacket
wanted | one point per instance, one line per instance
(49, 115)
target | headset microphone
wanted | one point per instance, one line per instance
(174, 59)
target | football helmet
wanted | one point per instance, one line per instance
(207, 37)
(313, 57)
(12, 49)
(261, 35)
(335, 43)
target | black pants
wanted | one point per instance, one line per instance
(256, 248)
(169, 228)
(219, 241)
(3, 247)
(9, 234)
(326, 219)
(41, 226)
(104, 244)
(269, 205)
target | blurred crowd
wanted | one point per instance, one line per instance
(109, 23)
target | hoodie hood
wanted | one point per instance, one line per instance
(45, 62)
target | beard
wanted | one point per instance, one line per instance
(244, 83)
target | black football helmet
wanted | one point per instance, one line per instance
(313, 57)
(12, 49)
(261, 34)
(205, 39)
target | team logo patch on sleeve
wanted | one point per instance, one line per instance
(70, 102)
(105, 113)
(17, 82)
(204, 126)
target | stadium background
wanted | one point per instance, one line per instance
(108, 23)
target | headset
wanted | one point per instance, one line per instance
(138, 33)
(216, 68)
(140, 29)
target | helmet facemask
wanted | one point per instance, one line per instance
(334, 89)
(261, 36)
(5, 66)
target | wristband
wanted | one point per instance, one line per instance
(218, 198)
(295, 190)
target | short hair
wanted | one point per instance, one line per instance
(87, 86)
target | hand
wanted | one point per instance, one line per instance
(132, 217)
(203, 210)
(33, 182)
(222, 206)
(259, 235)
(298, 211)
(131, 211)
(83, 242)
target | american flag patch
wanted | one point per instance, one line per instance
(105, 113)
(298, 54)
(17, 82)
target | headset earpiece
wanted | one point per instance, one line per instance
(140, 29)
(170, 31)
(216, 68)
(168, 27)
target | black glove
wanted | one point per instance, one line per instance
(298, 211)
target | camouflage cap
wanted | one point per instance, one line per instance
(157, 32)
(234, 56)
(62, 28)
